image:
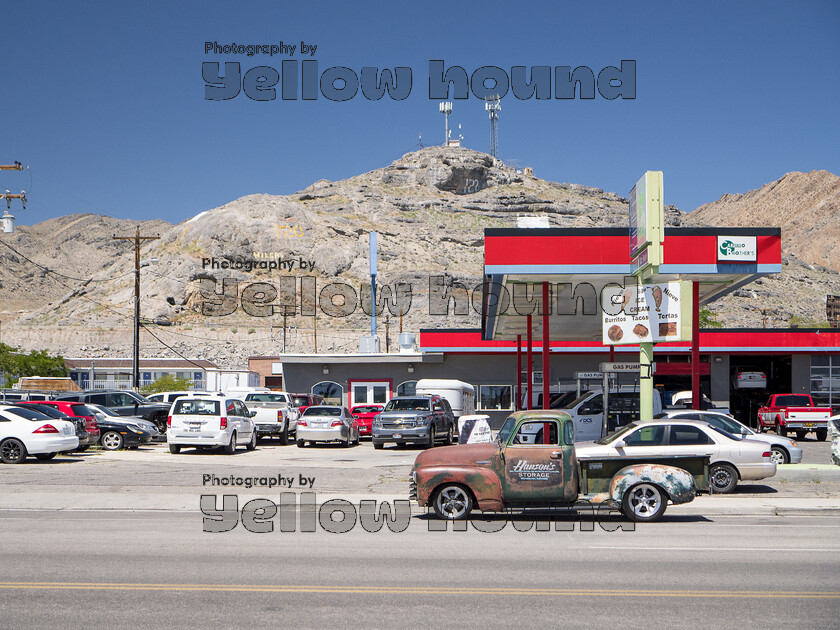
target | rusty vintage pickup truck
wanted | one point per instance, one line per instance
(532, 464)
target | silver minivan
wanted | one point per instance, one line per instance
(210, 422)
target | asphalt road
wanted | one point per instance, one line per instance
(118, 569)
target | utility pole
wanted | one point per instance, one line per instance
(7, 221)
(138, 240)
(286, 308)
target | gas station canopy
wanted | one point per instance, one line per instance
(579, 262)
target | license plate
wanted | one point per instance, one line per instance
(809, 424)
(397, 435)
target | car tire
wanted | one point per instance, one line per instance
(174, 449)
(45, 457)
(781, 430)
(230, 447)
(644, 503)
(449, 434)
(822, 434)
(301, 443)
(284, 436)
(723, 478)
(111, 441)
(378, 445)
(452, 502)
(252, 445)
(800, 435)
(12, 451)
(82, 449)
(778, 455)
(431, 441)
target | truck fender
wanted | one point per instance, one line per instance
(676, 482)
(482, 482)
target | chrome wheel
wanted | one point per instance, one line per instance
(12, 451)
(112, 441)
(644, 502)
(452, 503)
(777, 456)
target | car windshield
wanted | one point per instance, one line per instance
(578, 400)
(197, 407)
(737, 438)
(617, 434)
(322, 411)
(506, 430)
(367, 409)
(103, 411)
(28, 414)
(408, 404)
(81, 410)
(52, 412)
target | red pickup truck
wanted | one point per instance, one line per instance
(794, 412)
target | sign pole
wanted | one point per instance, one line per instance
(647, 219)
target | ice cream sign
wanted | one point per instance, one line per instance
(662, 313)
(736, 249)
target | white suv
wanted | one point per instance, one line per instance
(210, 422)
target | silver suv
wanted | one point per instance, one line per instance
(424, 420)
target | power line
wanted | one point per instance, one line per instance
(53, 271)
(170, 347)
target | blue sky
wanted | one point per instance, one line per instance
(104, 101)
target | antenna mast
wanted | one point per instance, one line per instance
(493, 106)
(446, 109)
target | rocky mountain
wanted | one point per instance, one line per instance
(429, 208)
(805, 205)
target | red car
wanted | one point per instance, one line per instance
(366, 414)
(76, 410)
(303, 401)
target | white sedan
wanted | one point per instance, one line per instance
(730, 458)
(27, 432)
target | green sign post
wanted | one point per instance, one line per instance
(647, 225)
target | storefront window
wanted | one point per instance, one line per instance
(331, 392)
(825, 380)
(407, 388)
(495, 397)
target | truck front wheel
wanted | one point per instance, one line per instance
(452, 502)
(644, 502)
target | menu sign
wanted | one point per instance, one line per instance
(663, 313)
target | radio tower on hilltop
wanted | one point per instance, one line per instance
(493, 106)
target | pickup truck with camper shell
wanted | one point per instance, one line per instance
(276, 416)
(794, 412)
(545, 473)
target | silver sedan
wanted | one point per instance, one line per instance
(327, 423)
(731, 458)
(782, 449)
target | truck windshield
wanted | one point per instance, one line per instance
(793, 401)
(506, 430)
(408, 404)
(275, 398)
(614, 436)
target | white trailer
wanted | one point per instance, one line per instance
(459, 395)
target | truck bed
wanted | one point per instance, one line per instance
(595, 474)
